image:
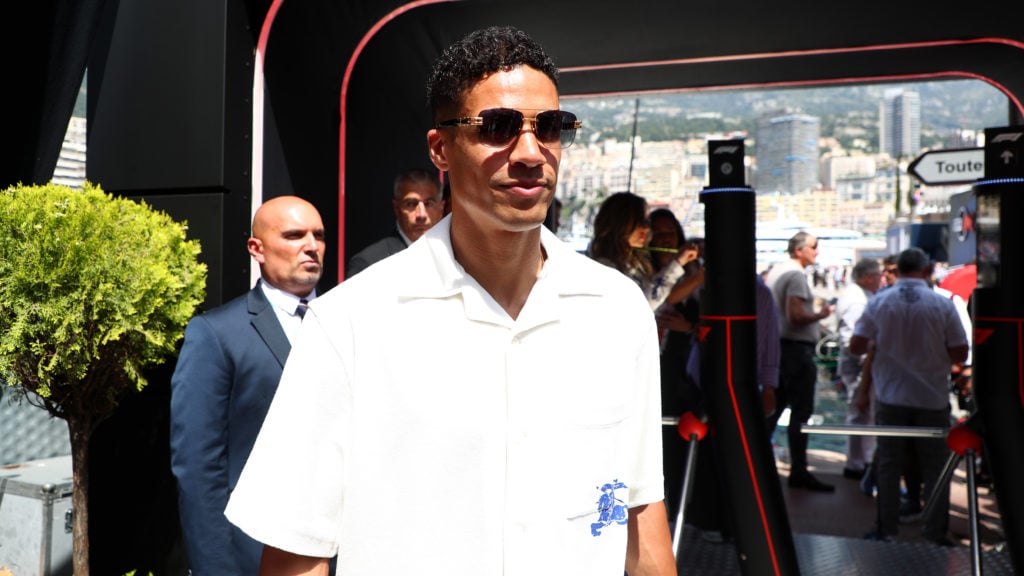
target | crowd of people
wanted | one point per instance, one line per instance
(893, 304)
(472, 349)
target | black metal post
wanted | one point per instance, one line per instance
(728, 333)
(999, 326)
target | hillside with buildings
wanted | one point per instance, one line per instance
(823, 157)
(829, 157)
(848, 113)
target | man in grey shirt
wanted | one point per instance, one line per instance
(799, 331)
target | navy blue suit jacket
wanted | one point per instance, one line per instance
(226, 376)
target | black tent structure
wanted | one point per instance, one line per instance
(206, 107)
(339, 105)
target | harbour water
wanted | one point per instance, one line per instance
(829, 408)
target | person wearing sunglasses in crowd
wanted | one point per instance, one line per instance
(621, 230)
(529, 442)
(418, 205)
(890, 272)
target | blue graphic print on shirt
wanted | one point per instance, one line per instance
(611, 510)
(908, 293)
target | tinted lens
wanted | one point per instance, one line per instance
(556, 127)
(568, 128)
(500, 126)
(548, 126)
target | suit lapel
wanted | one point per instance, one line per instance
(265, 322)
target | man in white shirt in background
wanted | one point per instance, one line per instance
(867, 278)
(916, 335)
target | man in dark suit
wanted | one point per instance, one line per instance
(418, 205)
(226, 376)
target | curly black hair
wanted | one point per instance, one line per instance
(477, 55)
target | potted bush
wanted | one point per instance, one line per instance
(93, 289)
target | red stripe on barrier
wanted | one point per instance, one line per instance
(743, 436)
(1020, 351)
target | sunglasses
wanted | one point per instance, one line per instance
(499, 127)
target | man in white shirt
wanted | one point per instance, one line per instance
(917, 336)
(487, 400)
(867, 278)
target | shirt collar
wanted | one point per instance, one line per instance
(285, 301)
(435, 273)
(906, 280)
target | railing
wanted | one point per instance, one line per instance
(962, 440)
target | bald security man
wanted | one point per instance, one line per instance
(226, 376)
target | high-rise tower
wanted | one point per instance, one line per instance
(899, 123)
(787, 152)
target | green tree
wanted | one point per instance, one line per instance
(93, 289)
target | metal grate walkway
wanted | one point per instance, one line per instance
(835, 556)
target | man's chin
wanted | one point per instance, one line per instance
(309, 279)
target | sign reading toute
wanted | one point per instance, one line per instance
(960, 166)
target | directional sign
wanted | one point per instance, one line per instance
(1004, 150)
(960, 166)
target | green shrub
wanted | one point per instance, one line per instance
(93, 289)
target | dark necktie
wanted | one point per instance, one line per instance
(300, 310)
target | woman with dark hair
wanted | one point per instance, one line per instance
(621, 231)
(676, 323)
(667, 241)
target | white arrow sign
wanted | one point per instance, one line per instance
(960, 166)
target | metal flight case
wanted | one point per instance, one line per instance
(35, 518)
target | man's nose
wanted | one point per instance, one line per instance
(421, 210)
(526, 149)
(311, 243)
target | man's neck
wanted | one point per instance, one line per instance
(283, 298)
(506, 265)
(913, 276)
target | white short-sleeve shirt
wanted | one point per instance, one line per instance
(418, 429)
(913, 329)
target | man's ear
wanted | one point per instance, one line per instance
(255, 247)
(436, 146)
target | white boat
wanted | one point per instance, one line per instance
(836, 246)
